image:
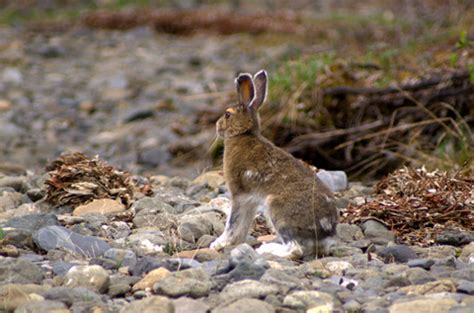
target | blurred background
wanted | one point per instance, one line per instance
(361, 86)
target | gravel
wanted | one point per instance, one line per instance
(83, 89)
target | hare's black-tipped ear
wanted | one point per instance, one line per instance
(245, 89)
(261, 88)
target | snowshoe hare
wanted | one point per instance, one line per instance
(298, 206)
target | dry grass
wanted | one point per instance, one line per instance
(186, 22)
(418, 204)
(76, 179)
(361, 118)
(344, 97)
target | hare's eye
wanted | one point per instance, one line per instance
(227, 114)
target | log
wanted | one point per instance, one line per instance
(423, 84)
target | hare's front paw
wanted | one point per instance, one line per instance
(221, 242)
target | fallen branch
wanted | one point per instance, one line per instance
(427, 110)
(422, 84)
(319, 138)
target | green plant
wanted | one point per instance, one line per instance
(452, 148)
(170, 248)
(463, 41)
(470, 68)
(119, 264)
(388, 58)
(292, 73)
(463, 44)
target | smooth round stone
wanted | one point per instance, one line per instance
(118, 289)
(338, 267)
(399, 253)
(19, 271)
(151, 278)
(93, 277)
(32, 222)
(423, 263)
(213, 179)
(418, 275)
(61, 268)
(18, 183)
(352, 306)
(15, 295)
(61, 238)
(44, 306)
(71, 295)
(121, 256)
(335, 180)
(465, 286)
(423, 305)
(454, 238)
(308, 299)
(194, 283)
(153, 304)
(100, 206)
(377, 232)
(186, 305)
(247, 289)
(200, 255)
(246, 305)
(244, 263)
(349, 232)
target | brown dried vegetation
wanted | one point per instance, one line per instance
(370, 130)
(417, 204)
(76, 179)
(185, 22)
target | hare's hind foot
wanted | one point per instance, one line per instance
(291, 250)
(295, 250)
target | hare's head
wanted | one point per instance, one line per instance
(243, 118)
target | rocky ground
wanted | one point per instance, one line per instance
(153, 257)
(132, 97)
(136, 98)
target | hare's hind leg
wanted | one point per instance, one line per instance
(244, 208)
(297, 249)
(285, 247)
(302, 232)
(290, 250)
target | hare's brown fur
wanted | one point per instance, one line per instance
(300, 207)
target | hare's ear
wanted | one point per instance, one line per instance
(261, 88)
(245, 90)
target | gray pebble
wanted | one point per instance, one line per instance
(465, 286)
(423, 263)
(58, 237)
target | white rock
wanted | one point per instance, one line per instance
(221, 204)
(93, 277)
(334, 180)
(12, 75)
(338, 267)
